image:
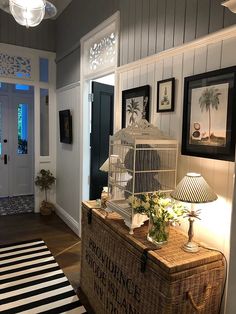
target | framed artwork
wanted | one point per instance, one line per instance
(135, 105)
(166, 95)
(65, 124)
(209, 114)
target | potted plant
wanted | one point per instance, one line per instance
(45, 179)
(162, 212)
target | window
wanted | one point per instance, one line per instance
(22, 87)
(44, 122)
(22, 129)
(43, 70)
(1, 129)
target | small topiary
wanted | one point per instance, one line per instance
(45, 179)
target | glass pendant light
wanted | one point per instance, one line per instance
(28, 13)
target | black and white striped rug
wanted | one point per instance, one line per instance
(31, 281)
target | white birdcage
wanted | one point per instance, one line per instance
(141, 160)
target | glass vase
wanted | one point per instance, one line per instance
(158, 231)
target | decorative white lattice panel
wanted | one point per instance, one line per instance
(100, 50)
(15, 66)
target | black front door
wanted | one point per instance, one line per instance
(102, 127)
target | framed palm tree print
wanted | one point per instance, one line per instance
(135, 105)
(209, 114)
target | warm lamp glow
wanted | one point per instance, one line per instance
(193, 189)
(28, 13)
(230, 4)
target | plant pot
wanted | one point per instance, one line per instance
(46, 208)
(158, 231)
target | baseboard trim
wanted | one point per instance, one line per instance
(70, 221)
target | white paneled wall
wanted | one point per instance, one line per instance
(210, 53)
(68, 198)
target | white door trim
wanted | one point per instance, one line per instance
(48, 162)
(85, 79)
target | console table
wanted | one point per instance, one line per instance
(123, 273)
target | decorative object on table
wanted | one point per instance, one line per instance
(37, 10)
(45, 179)
(166, 95)
(104, 197)
(161, 211)
(145, 160)
(193, 189)
(135, 105)
(147, 163)
(65, 124)
(105, 168)
(209, 100)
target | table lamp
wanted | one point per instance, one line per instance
(193, 189)
(105, 168)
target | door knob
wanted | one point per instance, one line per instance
(5, 141)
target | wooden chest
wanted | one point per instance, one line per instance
(126, 274)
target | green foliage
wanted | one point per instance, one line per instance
(158, 207)
(45, 179)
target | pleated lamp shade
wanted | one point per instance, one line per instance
(193, 189)
(113, 159)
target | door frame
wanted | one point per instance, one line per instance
(48, 162)
(85, 87)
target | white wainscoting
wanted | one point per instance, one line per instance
(209, 53)
(68, 198)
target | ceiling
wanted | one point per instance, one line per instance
(60, 5)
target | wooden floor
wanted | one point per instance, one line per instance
(61, 241)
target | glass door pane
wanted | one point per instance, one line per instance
(22, 111)
(1, 130)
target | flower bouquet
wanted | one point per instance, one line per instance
(162, 212)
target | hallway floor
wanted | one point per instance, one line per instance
(16, 205)
(61, 241)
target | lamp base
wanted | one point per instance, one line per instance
(191, 247)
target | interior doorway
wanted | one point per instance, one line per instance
(16, 148)
(102, 110)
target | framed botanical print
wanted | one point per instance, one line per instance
(166, 95)
(135, 105)
(65, 124)
(209, 114)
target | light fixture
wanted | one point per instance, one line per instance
(230, 4)
(193, 189)
(29, 13)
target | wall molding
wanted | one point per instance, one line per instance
(68, 87)
(70, 221)
(226, 33)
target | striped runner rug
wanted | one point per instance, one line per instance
(31, 281)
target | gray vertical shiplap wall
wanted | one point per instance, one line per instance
(78, 19)
(146, 26)
(41, 37)
(158, 25)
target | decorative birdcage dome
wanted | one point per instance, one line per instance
(147, 163)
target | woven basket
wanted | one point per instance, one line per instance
(174, 281)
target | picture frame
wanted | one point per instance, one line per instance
(166, 95)
(65, 125)
(135, 105)
(209, 115)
